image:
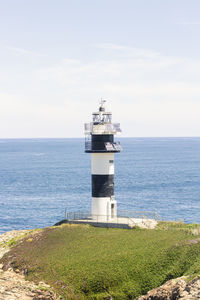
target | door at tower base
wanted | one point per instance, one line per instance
(103, 209)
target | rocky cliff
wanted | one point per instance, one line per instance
(13, 285)
(179, 288)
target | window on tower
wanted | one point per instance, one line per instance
(96, 118)
(106, 118)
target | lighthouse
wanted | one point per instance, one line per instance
(99, 141)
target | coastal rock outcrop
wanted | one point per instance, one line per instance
(179, 288)
(13, 285)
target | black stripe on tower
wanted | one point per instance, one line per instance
(102, 185)
(99, 140)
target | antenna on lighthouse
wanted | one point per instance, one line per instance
(102, 103)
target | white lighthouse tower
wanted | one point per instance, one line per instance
(99, 141)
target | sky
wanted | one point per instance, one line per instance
(58, 58)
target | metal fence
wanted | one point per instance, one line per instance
(120, 214)
(124, 217)
(139, 214)
(103, 127)
(108, 146)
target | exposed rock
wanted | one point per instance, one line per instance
(13, 285)
(6, 237)
(178, 288)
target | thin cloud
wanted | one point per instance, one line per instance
(23, 51)
(142, 64)
(189, 23)
(127, 51)
(155, 96)
(111, 46)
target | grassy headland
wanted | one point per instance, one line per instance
(84, 262)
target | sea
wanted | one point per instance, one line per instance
(41, 179)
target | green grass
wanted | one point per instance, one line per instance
(83, 262)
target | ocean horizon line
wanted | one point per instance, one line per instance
(82, 137)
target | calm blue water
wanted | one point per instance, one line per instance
(39, 178)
